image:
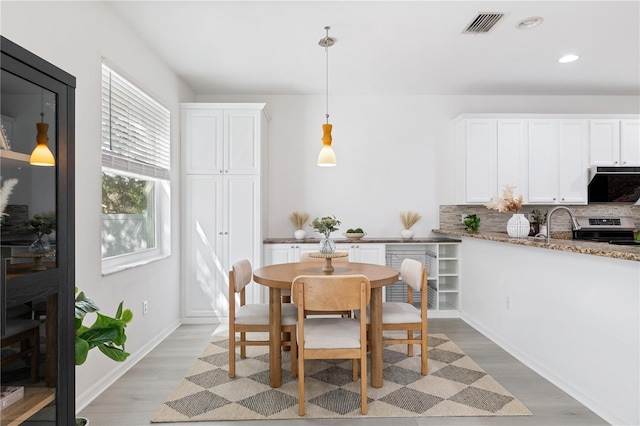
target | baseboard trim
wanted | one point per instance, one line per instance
(101, 385)
(566, 387)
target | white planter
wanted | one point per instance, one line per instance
(543, 230)
(300, 234)
(518, 226)
(406, 233)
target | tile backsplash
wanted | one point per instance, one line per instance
(494, 221)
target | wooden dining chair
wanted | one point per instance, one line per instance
(254, 318)
(405, 316)
(333, 337)
(304, 257)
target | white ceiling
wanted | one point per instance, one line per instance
(393, 47)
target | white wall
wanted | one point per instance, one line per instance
(573, 318)
(75, 36)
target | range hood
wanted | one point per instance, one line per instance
(609, 184)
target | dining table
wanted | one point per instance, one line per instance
(280, 276)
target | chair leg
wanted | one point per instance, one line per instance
(363, 384)
(294, 356)
(35, 354)
(354, 369)
(232, 353)
(424, 356)
(243, 348)
(410, 345)
(301, 383)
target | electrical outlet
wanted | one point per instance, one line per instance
(145, 307)
(508, 303)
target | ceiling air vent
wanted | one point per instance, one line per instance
(483, 23)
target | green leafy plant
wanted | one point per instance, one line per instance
(355, 231)
(539, 217)
(106, 333)
(40, 224)
(471, 222)
(325, 225)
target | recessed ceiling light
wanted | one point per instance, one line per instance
(568, 58)
(525, 24)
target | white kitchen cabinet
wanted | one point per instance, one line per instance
(630, 142)
(224, 212)
(481, 160)
(614, 142)
(557, 161)
(495, 156)
(358, 252)
(222, 138)
(286, 253)
(364, 252)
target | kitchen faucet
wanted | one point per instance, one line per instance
(575, 223)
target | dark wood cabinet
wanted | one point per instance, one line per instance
(38, 279)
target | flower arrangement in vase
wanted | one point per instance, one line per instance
(326, 226)
(408, 220)
(518, 225)
(299, 219)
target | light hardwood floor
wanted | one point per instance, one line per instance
(135, 398)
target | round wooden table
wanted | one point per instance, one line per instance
(278, 277)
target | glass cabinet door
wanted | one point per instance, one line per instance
(35, 245)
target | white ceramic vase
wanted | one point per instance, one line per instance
(300, 234)
(518, 226)
(543, 230)
(406, 234)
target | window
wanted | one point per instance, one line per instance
(135, 175)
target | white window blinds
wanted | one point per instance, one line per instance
(135, 129)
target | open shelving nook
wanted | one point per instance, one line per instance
(442, 261)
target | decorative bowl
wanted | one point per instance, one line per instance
(354, 235)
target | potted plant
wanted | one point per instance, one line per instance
(299, 219)
(540, 219)
(518, 225)
(326, 226)
(408, 220)
(41, 226)
(471, 222)
(106, 333)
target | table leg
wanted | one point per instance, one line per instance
(275, 356)
(375, 329)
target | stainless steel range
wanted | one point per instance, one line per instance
(618, 230)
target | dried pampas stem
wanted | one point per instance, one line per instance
(299, 219)
(409, 219)
(5, 192)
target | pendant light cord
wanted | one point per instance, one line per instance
(326, 50)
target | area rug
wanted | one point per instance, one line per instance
(455, 386)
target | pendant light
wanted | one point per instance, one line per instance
(327, 158)
(42, 155)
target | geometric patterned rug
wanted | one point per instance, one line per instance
(455, 386)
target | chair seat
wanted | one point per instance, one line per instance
(258, 314)
(331, 333)
(397, 313)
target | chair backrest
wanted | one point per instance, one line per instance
(331, 292)
(413, 274)
(240, 275)
(304, 257)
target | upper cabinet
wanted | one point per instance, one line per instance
(546, 157)
(614, 142)
(222, 138)
(37, 103)
(558, 161)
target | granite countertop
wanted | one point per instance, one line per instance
(364, 240)
(574, 246)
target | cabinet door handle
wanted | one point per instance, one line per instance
(226, 171)
(226, 233)
(615, 162)
(221, 172)
(220, 233)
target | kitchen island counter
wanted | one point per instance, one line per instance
(568, 245)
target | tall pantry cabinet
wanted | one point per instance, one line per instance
(224, 174)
